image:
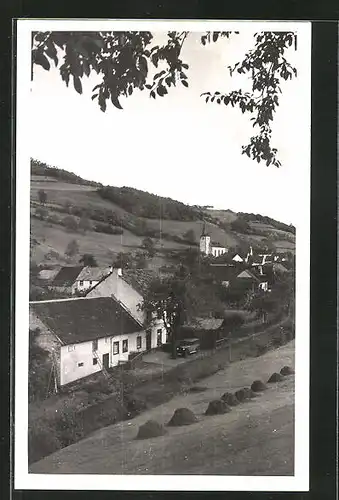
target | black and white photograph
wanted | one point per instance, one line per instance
(162, 255)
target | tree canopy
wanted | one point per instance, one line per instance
(128, 61)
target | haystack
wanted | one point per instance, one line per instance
(230, 399)
(287, 370)
(275, 377)
(244, 394)
(182, 416)
(258, 386)
(150, 429)
(217, 407)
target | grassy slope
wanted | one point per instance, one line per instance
(255, 438)
(55, 238)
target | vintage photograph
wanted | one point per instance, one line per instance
(163, 187)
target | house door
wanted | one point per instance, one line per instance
(105, 360)
(148, 340)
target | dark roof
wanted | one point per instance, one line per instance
(139, 279)
(223, 272)
(93, 273)
(81, 320)
(67, 275)
(218, 245)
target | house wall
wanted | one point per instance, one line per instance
(217, 251)
(83, 285)
(114, 285)
(72, 355)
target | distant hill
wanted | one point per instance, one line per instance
(39, 168)
(108, 220)
(150, 206)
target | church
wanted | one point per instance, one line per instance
(208, 247)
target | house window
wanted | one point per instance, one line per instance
(71, 348)
(167, 336)
(81, 283)
(95, 345)
(95, 361)
(90, 282)
(159, 337)
(80, 364)
(125, 345)
(138, 342)
(115, 347)
(159, 314)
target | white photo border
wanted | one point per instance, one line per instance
(22, 478)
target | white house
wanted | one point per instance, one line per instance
(128, 287)
(90, 277)
(85, 335)
(72, 279)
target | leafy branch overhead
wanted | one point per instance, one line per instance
(127, 61)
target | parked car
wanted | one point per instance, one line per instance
(188, 346)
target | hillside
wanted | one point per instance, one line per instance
(108, 220)
(255, 438)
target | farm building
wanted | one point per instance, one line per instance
(128, 287)
(72, 279)
(85, 336)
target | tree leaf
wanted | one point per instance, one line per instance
(215, 36)
(116, 102)
(77, 84)
(185, 83)
(41, 59)
(94, 96)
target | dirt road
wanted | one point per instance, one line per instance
(255, 438)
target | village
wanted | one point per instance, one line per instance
(100, 324)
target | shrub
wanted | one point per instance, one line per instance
(42, 440)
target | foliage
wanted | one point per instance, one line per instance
(70, 223)
(143, 204)
(41, 168)
(72, 248)
(88, 260)
(39, 369)
(126, 61)
(84, 224)
(148, 245)
(107, 229)
(240, 225)
(42, 195)
(267, 220)
(41, 212)
(189, 236)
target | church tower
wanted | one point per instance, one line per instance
(205, 242)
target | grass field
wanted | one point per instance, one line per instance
(255, 438)
(54, 238)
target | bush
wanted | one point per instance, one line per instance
(42, 440)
